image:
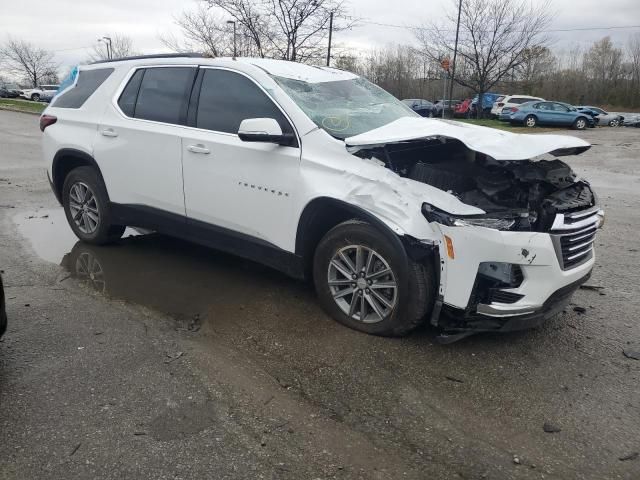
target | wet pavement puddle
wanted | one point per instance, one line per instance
(184, 280)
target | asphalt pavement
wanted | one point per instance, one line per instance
(158, 359)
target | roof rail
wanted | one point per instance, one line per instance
(157, 55)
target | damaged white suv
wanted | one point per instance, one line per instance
(316, 172)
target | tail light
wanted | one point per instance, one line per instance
(513, 110)
(46, 120)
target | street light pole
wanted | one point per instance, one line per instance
(234, 37)
(330, 32)
(455, 53)
(107, 43)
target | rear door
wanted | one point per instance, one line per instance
(138, 146)
(243, 187)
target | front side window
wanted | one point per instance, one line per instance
(227, 98)
(345, 108)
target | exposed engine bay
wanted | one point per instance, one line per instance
(530, 191)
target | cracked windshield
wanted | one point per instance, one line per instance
(345, 108)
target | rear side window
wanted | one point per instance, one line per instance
(127, 100)
(87, 83)
(227, 98)
(158, 94)
(519, 100)
(164, 94)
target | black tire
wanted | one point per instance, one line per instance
(530, 121)
(35, 97)
(105, 231)
(415, 282)
(580, 123)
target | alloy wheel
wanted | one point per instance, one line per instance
(580, 124)
(531, 122)
(362, 284)
(83, 206)
(614, 123)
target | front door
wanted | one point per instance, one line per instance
(244, 187)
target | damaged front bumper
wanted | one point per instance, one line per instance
(493, 280)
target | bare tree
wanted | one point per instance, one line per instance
(26, 60)
(494, 38)
(121, 46)
(209, 33)
(537, 63)
(293, 30)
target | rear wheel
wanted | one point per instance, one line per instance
(580, 123)
(531, 121)
(35, 97)
(86, 205)
(614, 123)
(364, 283)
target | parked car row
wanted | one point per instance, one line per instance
(520, 109)
(431, 109)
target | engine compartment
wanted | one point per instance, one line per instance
(530, 191)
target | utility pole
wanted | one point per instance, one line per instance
(455, 53)
(235, 52)
(330, 32)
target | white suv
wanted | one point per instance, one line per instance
(510, 101)
(40, 92)
(320, 174)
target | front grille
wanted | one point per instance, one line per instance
(573, 235)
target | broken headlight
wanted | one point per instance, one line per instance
(433, 214)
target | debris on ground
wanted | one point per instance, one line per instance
(633, 354)
(631, 456)
(516, 460)
(171, 358)
(75, 449)
(551, 428)
(453, 379)
(590, 287)
(580, 309)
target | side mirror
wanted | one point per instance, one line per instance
(265, 130)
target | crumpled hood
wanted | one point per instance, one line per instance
(497, 144)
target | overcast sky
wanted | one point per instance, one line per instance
(71, 27)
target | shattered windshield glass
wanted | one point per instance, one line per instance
(345, 108)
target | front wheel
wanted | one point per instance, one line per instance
(530, 121)
(614, 123)
(580, 123)
(35, 97)
(86, 205)
(365, 283)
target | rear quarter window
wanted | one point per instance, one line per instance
(87, 83)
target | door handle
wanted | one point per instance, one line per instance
(109, 132)
(199, 148)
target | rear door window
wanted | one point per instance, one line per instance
(87, 83)
(164, 94)
(227, 98)
(127, 100)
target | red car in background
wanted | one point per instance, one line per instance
(463, 109)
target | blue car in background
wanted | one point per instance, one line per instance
(532, 114)
(422, 107)
(488, 99)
